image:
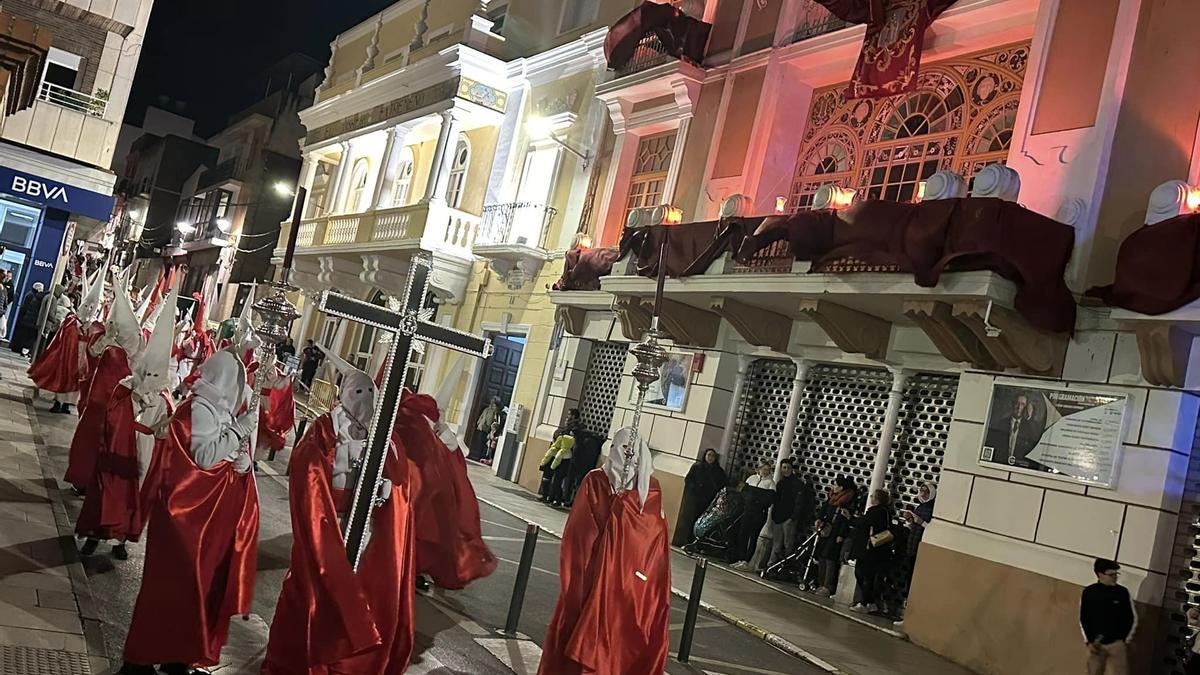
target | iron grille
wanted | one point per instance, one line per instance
(600, 386)
(761, 415)
(1183, 578)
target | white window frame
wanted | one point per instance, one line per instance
(64, 58)
(456, 181)
(402, 186)
(358, 185)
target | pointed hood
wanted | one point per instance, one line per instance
(629, 463)
(122, 327)
(244, 335)
(153, 369)
(89, 305)
(356, 392)
(449, 383)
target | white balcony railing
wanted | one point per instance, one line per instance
(73, 100)
(433, 226)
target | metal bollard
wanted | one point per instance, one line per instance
(518, 596)
(693, 608)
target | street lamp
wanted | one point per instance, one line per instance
(185, 227)
(283, 189)
(542, 128)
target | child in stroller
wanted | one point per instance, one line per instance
(716, 529)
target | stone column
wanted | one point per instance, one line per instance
(676, 163)
(793, 413)
(386, 168)
(308, 173)
(333, 196)
(888, 434)
(443, 154)
(739, 385)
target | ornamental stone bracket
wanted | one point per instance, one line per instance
(1010, 340)
(572, 318)
(687, 325)
(757, 326)
(1164, 348)
(952, 338)
(340, 273)
(449, 276)
(384, 273)
(852, 331)
(516, 265)
(635, 318)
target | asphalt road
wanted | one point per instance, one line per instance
(456, 631)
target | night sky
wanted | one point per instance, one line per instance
(203, 53)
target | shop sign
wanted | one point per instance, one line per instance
(55, 195)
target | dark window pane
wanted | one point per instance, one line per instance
(906, 192)
(910, 171)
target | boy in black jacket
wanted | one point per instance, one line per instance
(1108, 619)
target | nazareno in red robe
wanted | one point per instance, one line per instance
(57, 368)
(150, 481)
(87, 362)
(613, 611)
(112, 507)
(201, 555)
(277, 418)
(450, 546)
(330, 618)
(111, 368)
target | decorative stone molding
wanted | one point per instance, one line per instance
(384, 272)
(1011, 340)
(372, 48)
(687, 325)
(517, 265)
(328, 81)
(1167, 201)
(448, 280)
(1164, 349)
(952, 338)
(736, 205)
(851, 330)
(635, 318)
(420, 28)
(339, 273)
(998, 181)
(759, 327)
(572, 318)
(1072, 212)
(945, 184)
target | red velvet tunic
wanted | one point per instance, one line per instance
(276, 418)
(331, 619)
(112, 507)
(111, 368)
(201, 555)
(87, 362)
(450, 546)
(614, 608)
(57, 369)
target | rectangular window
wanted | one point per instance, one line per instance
(650, 170)
(62, 68)
(19, 224)
(577, 14)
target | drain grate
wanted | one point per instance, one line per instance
(34, 661)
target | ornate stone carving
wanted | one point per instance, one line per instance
(945, 184)
(635, 318)
(372, 48)
(1011, 340)
(572, 318)
(998, 181)
(759, 327)
(1164, 349)
(1072, 212)
(851, 330)
(952, 338)
(687, 325)
(1167, 201)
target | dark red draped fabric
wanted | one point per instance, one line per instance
(583, 267)
(679, 35)
(201, 555)
(57, 368)
(112, 507)
(1158, 268)
(614, 608)
(277, 419)
(450, 546)
(111, 368)
(890, 60)
(329, 618)
(88, 362)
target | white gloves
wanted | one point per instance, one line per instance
(242, 463)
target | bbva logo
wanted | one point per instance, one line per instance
(35, 188)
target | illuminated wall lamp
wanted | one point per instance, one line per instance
(781, 205)
(673, 216)
(832, 198)
(185, 227)
(920, 192)
(1171, 199)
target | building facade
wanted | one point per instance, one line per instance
(55, 153)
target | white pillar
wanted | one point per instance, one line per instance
(308, 173)
(333, 196)
(675, 165)
(883, 452)
(793, 414)
(739, 386)
(443, 154)
(385, 169)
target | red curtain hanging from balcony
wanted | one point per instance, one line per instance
(679, 35)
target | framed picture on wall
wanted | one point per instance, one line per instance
(670, 390)
(1055, 431)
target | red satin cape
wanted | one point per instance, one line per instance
(57, 368)
(450, 546)
(112, 507)
(275, 423)
(151, 481)
(613, 611)
(201, 553)
(88, 363)
(330, 619)
(111, 368)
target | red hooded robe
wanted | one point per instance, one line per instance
(112, 507)
(87, 362)
(57, 369)
(614, 608)
(331, 619)
(111, 368)
(201, 555)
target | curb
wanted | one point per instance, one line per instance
(782, 644)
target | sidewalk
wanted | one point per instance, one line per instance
(835, 643)
(47, 620)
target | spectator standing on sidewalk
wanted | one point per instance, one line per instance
(759, 492)
(483, 427)
(311, 359)
(1108, 619)
(1192, 666)
(873, 540)
(833, 525)
(555, 466)
(701, 485)
(783, 524)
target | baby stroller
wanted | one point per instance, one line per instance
(716, 529)
(800, 567)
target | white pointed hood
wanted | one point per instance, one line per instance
(89, 305)
(153, 370)
(635, 476)
(442, 396)
(244, 335)
(222, 382)
(356, 393)
(122, 327)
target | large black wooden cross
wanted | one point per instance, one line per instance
(408, 327)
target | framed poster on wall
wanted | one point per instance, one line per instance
(1054, 431)
(670, 390)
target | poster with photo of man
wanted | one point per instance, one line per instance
(1066, 433)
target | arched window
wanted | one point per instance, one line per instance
(458, 173)
(960, 117)
(404, 174)
(358, 185)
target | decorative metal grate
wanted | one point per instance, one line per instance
(1183, 578)
(761, 416)
(601, 384)
(921, 433)
(16, 660)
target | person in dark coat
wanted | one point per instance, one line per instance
(701, 485)
(833, 526)
(24, 333)
(759, 492)
(872, 554)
